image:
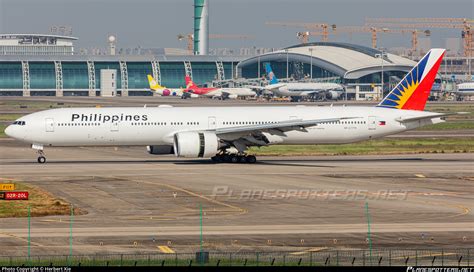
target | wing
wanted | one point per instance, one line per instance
(307, 93)
(297, 124)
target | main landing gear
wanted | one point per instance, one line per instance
(234, 158)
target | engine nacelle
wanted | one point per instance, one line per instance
(195, 144)
(232, 96)
(166, 92)
(160, 149)
(333, 95)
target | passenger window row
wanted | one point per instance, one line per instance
(77, 124)
(249, 123)
(344, 122)
(150, 124)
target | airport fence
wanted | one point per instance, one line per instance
(386, 257)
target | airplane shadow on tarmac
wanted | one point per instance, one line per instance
(262, 162)
(176, 162)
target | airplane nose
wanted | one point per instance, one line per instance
(12, 132)
(8, 131)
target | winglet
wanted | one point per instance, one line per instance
(412, 92)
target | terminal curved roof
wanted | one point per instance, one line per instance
(17, 36)
(346, 60)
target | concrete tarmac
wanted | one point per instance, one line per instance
(136, 201)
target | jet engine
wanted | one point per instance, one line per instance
(334, 95)
(166, 92)
(160, 149)
(195, 144)
(231, 96)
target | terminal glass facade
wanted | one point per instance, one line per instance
(42, 75)
(75, 75)
(137, 74)
(296, 70)
(229, 67)
(172, 74)
(204, 72)
(11, 75)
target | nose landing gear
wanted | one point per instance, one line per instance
(39, 150)
(41, 159)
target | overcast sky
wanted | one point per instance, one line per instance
(156, 23)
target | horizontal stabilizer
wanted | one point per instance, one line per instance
(430, 116)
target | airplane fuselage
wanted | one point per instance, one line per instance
(158, 125)
(465, 89)
(305, 88)
(221, 92)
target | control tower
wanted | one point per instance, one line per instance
(201, 27)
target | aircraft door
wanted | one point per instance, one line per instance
(372, 122)
(212, 123)
(49, 125)
(114, 126)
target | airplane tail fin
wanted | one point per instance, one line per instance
(271, 76)
(189, 83)
(412, 92)
(153, 84)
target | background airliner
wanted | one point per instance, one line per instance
(302, 89)
(465, 89)
(163, 91)
(222, 93)
(225, 133)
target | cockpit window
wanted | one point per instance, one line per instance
(20, 123)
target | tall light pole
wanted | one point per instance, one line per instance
(311, 61)
(287, 76)
(258, 66)
(382, 55)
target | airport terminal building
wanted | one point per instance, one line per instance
(359, 68)
(46, 65)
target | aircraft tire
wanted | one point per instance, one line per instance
(251, 159)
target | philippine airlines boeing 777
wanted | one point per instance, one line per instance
(225, 133)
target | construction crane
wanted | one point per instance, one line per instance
(418, 23)
(304, 36)
(311, 26)
(360, 29)
(190, 38)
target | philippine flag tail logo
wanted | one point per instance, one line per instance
(412, 92)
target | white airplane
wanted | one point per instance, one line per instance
(465, 89)
(225, 133)
(163, 91)
(217, 92)
(302, 89)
